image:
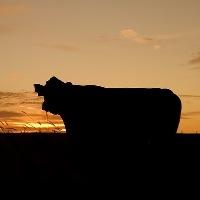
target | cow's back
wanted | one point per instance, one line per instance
(126, 114)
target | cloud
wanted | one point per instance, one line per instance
(143, 40)
(128, 33)
(183, 117)
(29, 95)
(156, 47)
(10, 9)
(195, 60)
(5, 95)
(16, 100)
(189, 115)
(156, 41)
(189, 96)
(62, 47)
(134, 36)
(107, 39)
(31, 102)
(165, 37)
(8, 104)
(9, 114)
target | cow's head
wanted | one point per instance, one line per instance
(54, 98)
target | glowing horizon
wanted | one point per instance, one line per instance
(24, 114)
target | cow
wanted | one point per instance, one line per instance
(98, 115)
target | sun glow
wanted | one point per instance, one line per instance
(27, 127)
(37, 125)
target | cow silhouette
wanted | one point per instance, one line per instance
(95, 115)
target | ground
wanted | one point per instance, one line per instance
(46, 156)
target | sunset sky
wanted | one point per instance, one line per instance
(112, 43)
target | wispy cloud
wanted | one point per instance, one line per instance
(31, 102)
(9, 114)
(137, 37)
(189, 115)
(107, 39)
(134, 36)
(166, 37)
(184, 117)
(10, 9)
(156, 47)
(19, 101)
(189, 96)
(13, 100)
(5, 95)
(195, 60)
(61, 47)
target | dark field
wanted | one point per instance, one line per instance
(43, 157)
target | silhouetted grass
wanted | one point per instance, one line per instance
(39, 129)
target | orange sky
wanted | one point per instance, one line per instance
(113, 43)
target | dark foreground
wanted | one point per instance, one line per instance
(44, 157)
